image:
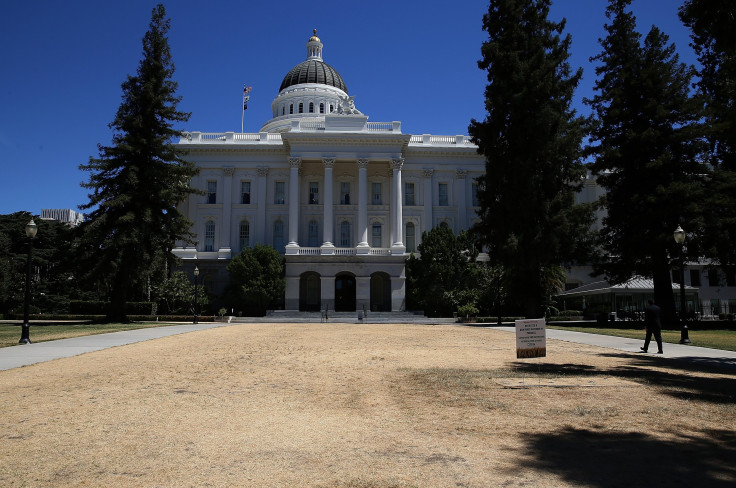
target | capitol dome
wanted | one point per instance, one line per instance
(310, 90)
(313, 71)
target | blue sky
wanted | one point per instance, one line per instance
(408, 60)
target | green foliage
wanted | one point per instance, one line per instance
(54, 278)
(714, 41)
(175, 295)
(256, 280)
(532, 141)
(646, 147)
(136, 183)
(446, 275)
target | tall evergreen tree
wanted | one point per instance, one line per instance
(532, 141)
(714, 40)
(137, 182)
(646, 148)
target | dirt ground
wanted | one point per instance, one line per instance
(364, 406)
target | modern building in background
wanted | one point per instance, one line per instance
(343, 199)
(64, 215)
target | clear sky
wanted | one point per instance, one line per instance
(408, 60)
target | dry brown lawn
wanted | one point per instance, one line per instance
(364, 406)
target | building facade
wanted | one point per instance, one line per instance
(343, 199)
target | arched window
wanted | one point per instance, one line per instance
(410, 237)
(244, 235)
(321, 108)
(311, 107)
(331, 108)
(278, 236)
(313, 233)
(444, 225)
(209, 236)
(283, 110)
(376, 235)
(301, 108)
(345, 234)
(291, 108)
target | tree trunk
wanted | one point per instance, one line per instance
(663, 295)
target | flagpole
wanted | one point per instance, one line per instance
(246, 90)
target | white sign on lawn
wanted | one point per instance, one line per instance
(531, 338)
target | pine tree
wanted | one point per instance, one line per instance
(646, 144)
(714, 40)
(532, 141)
(137, 182)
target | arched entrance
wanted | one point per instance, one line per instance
(345, 292)
(310, 292)
(380, 292)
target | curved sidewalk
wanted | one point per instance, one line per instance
(24, 355)
(700, 355)
(27, 354)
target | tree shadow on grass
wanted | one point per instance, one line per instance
(605, 460)
(675, 382)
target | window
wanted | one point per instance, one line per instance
(283, 110)
(291, 108)
(345, 234)
(331, 108)
(376, 198)
(278, 193)
(713, 278)
(313, 233)
(474, 191)
(730, 278)
(209, 236)
(694, 277)
(244, 235)
(321, 108)
(313, 192)
(278, 235)
(444, 225)
(409, 194)
(676, 276)
(443, 202)
(245, 192)
(345, 193)
(311, 107)
(376, 235)
(211, 192)
(410, 237)
(301, 107)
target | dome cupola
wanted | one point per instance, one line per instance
(314, 69)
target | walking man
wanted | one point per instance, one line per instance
(653, 326)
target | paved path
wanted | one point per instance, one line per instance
(24, 355)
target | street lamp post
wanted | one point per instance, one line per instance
(25, 334)
(679, 236)
(196, 301)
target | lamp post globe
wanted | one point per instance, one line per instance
(196, 301)
(679, 236)
(25, 334)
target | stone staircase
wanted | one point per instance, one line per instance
(295, 316)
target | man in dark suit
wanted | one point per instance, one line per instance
(653, 326)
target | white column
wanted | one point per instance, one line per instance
(327, 246)
(227, 206)
(460, 194)
(363, 247)
(428, 199)
(261, 212)
(397, 247)
(293, 246)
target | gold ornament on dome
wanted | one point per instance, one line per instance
(314, 37)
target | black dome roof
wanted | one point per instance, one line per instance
(313, 71)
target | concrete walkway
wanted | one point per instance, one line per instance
(24, 355)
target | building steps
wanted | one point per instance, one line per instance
(294, 316)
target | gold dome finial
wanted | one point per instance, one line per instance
(314, 37)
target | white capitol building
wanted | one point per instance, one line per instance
(343, 199)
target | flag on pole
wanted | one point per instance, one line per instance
(246, 90)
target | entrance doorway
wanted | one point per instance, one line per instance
(380, 292)
(345, 293)
(310, 292)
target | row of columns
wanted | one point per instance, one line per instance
(327, 245)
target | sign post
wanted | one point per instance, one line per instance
(531, 338)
